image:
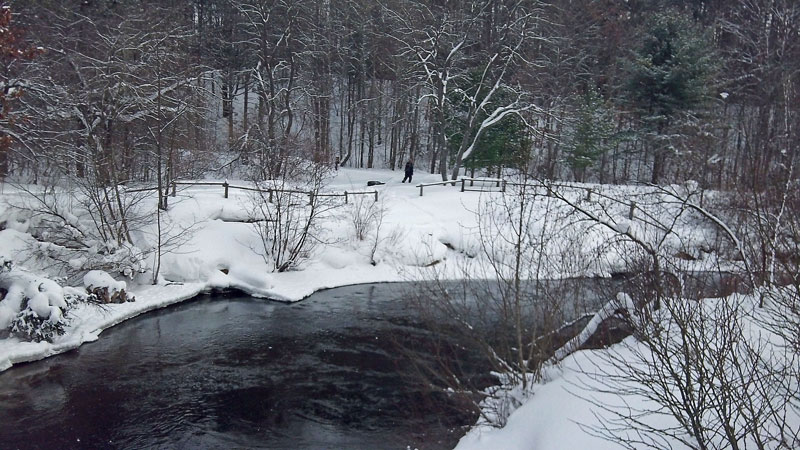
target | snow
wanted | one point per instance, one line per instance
(216, 248)
(39, 304)
(101, 279)
(45, 297)
(7, 314)
(575, 395)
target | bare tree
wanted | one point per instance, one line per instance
(702, 365)
(459, 70)
(506, 307)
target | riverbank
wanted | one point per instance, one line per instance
(87, 321)
(447, 234)
(411, 237)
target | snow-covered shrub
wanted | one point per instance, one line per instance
(105, 288)
(125, 259)
(33, 308)
(75, 233)
(31, 326)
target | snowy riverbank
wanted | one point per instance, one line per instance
(412, 238)
(220, 251)
(87, 322)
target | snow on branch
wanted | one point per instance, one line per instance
(496, 116)
(623, 301)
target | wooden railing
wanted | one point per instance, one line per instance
(440, 183)
(496, 181)
(269, 191)
(500, 183)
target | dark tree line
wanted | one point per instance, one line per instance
(592, 90)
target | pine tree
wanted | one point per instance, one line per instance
(669, 75)
(592, 134)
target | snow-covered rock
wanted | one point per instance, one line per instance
(101, 279)
(105, 287)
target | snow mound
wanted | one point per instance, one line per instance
(43, 296)
(101, 279)
(426, 250)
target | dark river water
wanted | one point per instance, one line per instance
(330, 372)
(233, 372)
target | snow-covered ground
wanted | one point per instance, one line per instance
(590, 399)
(417, 233)
(412, 233)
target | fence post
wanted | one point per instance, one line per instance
(462, 184)
(420, 190)
(498, 182)
(504, 186)
(225, 185)
(345, 197)
(630, 213)
(471, 183)
(173, 188)
(376, 196)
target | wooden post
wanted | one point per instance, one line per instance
(633, 208)
(504, 186)
(376, 196)
(462, 185)
(420, 190)
(498, 183)
(225, 185)
(345, 197)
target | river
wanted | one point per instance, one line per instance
(232, 371)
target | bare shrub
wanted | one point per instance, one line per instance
(365, 216)
(706, 374)
(502, 307)
(287, 212)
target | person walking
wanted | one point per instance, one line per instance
(409, 171)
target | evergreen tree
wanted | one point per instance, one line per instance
(668, 75)
(592, 133)
(501, 144)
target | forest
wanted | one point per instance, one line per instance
(653, 91)
(648, 144)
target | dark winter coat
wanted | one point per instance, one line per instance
(409, 168)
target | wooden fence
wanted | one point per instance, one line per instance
(503, 184)
(500, 183)
(269, 191)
